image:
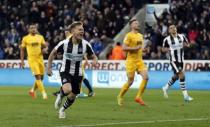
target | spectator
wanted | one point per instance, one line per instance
(100, 17)
(117, 52)
(1, 53)
(104, 19)
(96, 45)
(194, 23)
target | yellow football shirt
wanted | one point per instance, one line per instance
(132, 40)
(33, 45)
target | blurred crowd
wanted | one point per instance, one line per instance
(192, 18)
(102, 20)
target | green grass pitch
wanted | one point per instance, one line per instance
(18, 109)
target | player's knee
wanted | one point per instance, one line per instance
(66, 88)
(130, 82)
(38, 77)
(175, 77)
(72, 95)
(182, 79)
(145, 77)
(181, 76)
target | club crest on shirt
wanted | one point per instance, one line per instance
(64, 80)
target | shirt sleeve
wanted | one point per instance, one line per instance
(127, 39)
(42, 40)
(165, 43)
(89, 50)
(185, 40)
(23, 42)
(60, 47)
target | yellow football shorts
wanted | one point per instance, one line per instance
(134, 65)
(37, 67)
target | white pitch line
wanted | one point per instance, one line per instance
(137, 122)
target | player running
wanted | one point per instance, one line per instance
(73, 50)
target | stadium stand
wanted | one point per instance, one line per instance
(102, 19)
(192, 19)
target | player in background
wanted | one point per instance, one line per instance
(174, 44)
(133, 46)
(86, 82)
(73, 50)
(34, 44)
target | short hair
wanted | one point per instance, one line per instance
(65, 28)
(74, 24)
(131, 21)
(71, 26)
(171, 25)
(32, 24)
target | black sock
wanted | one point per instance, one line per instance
(172, 80)
(68, 103)
(182, 84)
(87, 84)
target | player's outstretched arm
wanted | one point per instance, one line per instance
(50, 60)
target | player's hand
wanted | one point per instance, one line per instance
(94, 62)
(45, 51)
(86, 63)
(138, 47)
(22, 65)
(49, 72)
(187, 45)
(146, 50)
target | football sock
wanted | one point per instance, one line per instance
(123, 90)
(68, 102)
(40, 86)
(87, 84)
(170, 83)
(34, 87)
(141, 88)
(183, 87)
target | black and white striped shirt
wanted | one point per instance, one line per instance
(175, 44)
(73, 55)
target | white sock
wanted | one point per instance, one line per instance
(62, 109)
(185, 93)
(166, 86)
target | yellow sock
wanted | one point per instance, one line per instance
(141, 88)
(123, 90)
(40, 86)
(34, 87)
